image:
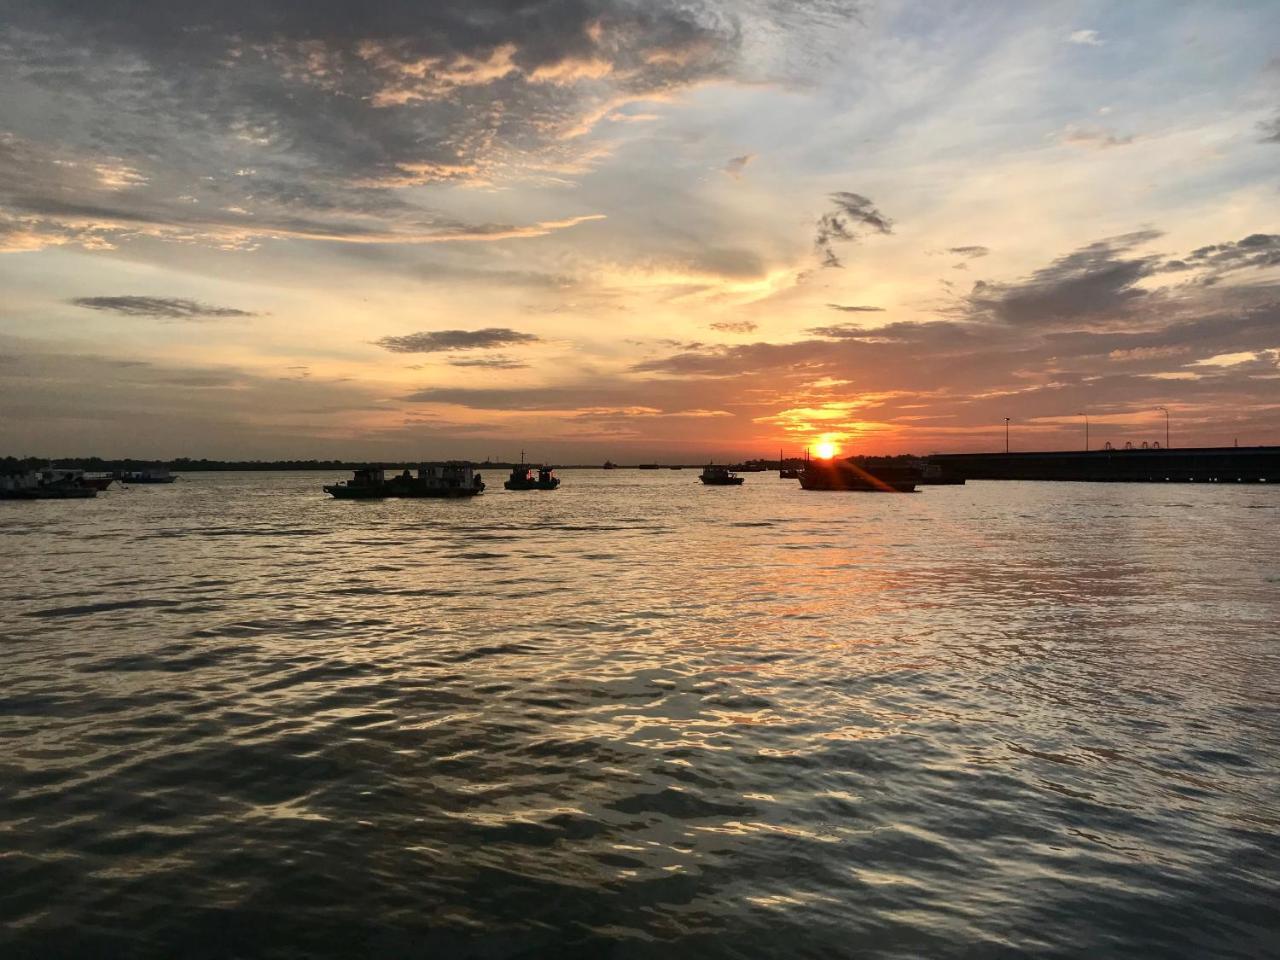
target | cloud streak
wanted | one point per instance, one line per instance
(167, 308)
(851, 216)
(440, 341)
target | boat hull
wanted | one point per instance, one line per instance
(846, 476)
(390, 491)
(722, 481)
(50, 493)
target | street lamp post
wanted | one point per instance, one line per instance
(1086, 430)
(1166, 426)
(1006, 434)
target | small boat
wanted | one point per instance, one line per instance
(450, 479)
(53, 483)
(870, 476)
(609, 465)
(99, 481)
(714, 475)
(146, 475)
(524, 477)
(647, 466)
(785, 472)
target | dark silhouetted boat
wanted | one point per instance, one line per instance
(609, 465)
(52, 483)
(647, 466)
(146, 475)
(868, 476)
(436, 480)
(714, 475)
(526, 477)
(785, 472)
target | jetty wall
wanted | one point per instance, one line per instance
(1191, 465)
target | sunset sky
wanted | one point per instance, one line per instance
(635, 230)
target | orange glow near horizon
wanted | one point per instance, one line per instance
(825, 450)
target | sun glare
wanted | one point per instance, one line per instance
(826, 450)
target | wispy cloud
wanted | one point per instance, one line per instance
(737, 165)
(1088, 38)
(735, 326)
(439, 341)
(1094, 137)
(492, 363)
(854, 308)
(168, 308)
(853, 214)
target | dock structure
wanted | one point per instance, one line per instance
(1189, 465)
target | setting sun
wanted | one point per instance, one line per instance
(826, 450)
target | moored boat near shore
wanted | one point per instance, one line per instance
(52, 483)
(451, 479)
(854, 474)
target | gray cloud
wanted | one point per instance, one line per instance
(1096, 282)
(169, 308)
(1255, 250)
(492, 363)
(852, 215)
(438, 341)
(735, 326)
(736, 166)
(853, 308)
(1270, 129)
(238, 122)
(971, 252)
(1091, 137)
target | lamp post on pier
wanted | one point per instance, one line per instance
(1166, 426)
(1006, 434)
(1086, 430)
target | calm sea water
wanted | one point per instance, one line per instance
(636, 717)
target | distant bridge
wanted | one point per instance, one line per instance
(1190, 465)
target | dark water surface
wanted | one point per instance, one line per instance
(640, 718)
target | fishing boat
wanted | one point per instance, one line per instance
(785, 472)
(527, 477)
(449, 479)
(609, 465)
(715, 475)
(865, 475)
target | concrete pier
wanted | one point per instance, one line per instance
(1191, 465)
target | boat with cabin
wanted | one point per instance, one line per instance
(51, 483)
(528, 477)
(449, 479)
(715, 475)
(869, 475)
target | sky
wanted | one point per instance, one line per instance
(596, 229)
